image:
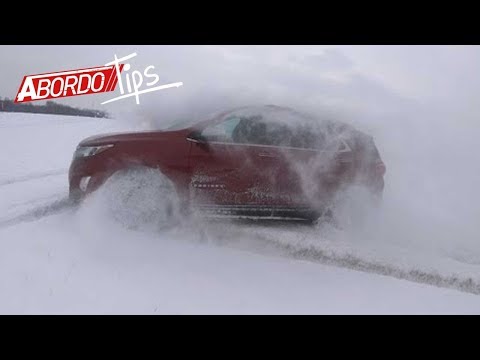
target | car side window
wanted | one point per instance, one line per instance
(279, 135)
(256, 131)
(250, 130)
(221, 132)
(308, 137)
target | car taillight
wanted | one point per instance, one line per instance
(380, 168)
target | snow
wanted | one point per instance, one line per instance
(56, 259)
(36, 154)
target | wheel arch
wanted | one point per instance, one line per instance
(99, 179)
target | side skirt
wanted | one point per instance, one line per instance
(257, 212)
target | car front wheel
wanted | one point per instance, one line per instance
(141, 197)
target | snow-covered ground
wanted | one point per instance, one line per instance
(58, 259)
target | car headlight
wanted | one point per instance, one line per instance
(84, 151)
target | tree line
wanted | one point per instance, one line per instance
(50, 107)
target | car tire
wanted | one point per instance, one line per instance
(141, 197)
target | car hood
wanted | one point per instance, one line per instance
(113, 138)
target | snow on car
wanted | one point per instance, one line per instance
(262, 162)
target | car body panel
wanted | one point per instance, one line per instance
(248, 177)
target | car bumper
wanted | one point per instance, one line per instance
(85, 176)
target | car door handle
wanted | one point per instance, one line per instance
(265, 154)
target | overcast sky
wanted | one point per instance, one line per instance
(326, 74)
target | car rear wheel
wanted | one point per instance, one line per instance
(141, 197)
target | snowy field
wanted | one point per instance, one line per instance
(58, 259)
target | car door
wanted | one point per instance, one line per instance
(297, 165)
(222, 171)
(312, 167)
(266, 141)
(245, 161)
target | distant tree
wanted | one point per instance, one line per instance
(50, 107)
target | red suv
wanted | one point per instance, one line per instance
(264, 161)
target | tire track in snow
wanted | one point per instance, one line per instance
(39, 212)
(353, 262)
(356, 263)
(30, 177)
(269, 245)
